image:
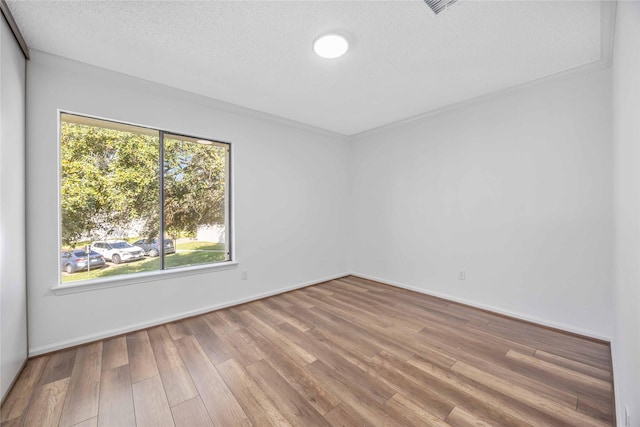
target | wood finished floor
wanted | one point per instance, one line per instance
(348, 352)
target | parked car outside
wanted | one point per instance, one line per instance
(151, 247)
(118, 251)
(76, 260)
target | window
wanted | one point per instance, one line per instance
(124, 186)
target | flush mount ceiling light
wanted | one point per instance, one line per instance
(330, 46)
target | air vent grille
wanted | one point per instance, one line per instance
(438, 6)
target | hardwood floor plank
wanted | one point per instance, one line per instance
(276, 303)
(150, 402)
(291, 404)
(232, 319)
(315, 291)
(142, 362)
(291, 299)
(116, 398)
(91, 422)
(251, 397)
(177, 382)
(221, 404)
(14, 422)
(297, 353)
(358, 404)
(599, 411)
(339, 334)
(114, 353)
(18, 399)
(81, 402)
(471, 314)
(477, 399)
(177, 330)
(591, 371)
(584, 351)
(361, 380)
(267, 315)
(392, 316)
(238, 347)
(481, 344)
(298, 316)
(459, 418)
(503, 367)
(337, 304)
(304, 383)
(361, 361)
(477, 335)
(339, 417)
(47, 403)
(209, 341)
(544, 405)
(439, 403)
(355, 285)
(191, 413)
(302, 300)
(400, 296)
(283, 316)
(578, 379)
(59, 366)
(414, 414)
(340, 326)
(411, 341)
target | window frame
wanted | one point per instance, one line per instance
(61, 288)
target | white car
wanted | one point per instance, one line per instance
(117, 251)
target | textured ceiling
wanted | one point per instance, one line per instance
(403, 61)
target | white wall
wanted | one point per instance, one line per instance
(13, 298)
(626, 132)
(289, 188)
(515, 190)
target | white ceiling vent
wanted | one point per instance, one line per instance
(438, 6)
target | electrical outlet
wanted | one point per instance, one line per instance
(462, 275)
(244, 275)
(627, 416)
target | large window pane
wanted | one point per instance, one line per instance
(195, 200)
(109, 197)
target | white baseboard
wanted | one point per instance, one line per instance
(160, 321)
(525, 317)
(13, 382)
(617, 393)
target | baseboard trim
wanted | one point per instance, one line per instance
(526, 318)
(618, 411)
(13, 382)
(38, 351)
(160, 321)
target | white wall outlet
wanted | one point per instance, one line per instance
(244, 275)
(627, 416)
(462, 275)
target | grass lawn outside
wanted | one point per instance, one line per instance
(190, 253)
(200, 246)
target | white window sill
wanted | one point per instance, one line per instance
(132, 279)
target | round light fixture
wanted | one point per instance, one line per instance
(330, 46)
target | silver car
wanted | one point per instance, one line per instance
(151, 247)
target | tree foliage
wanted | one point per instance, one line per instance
(194, 182)
(110, 180)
